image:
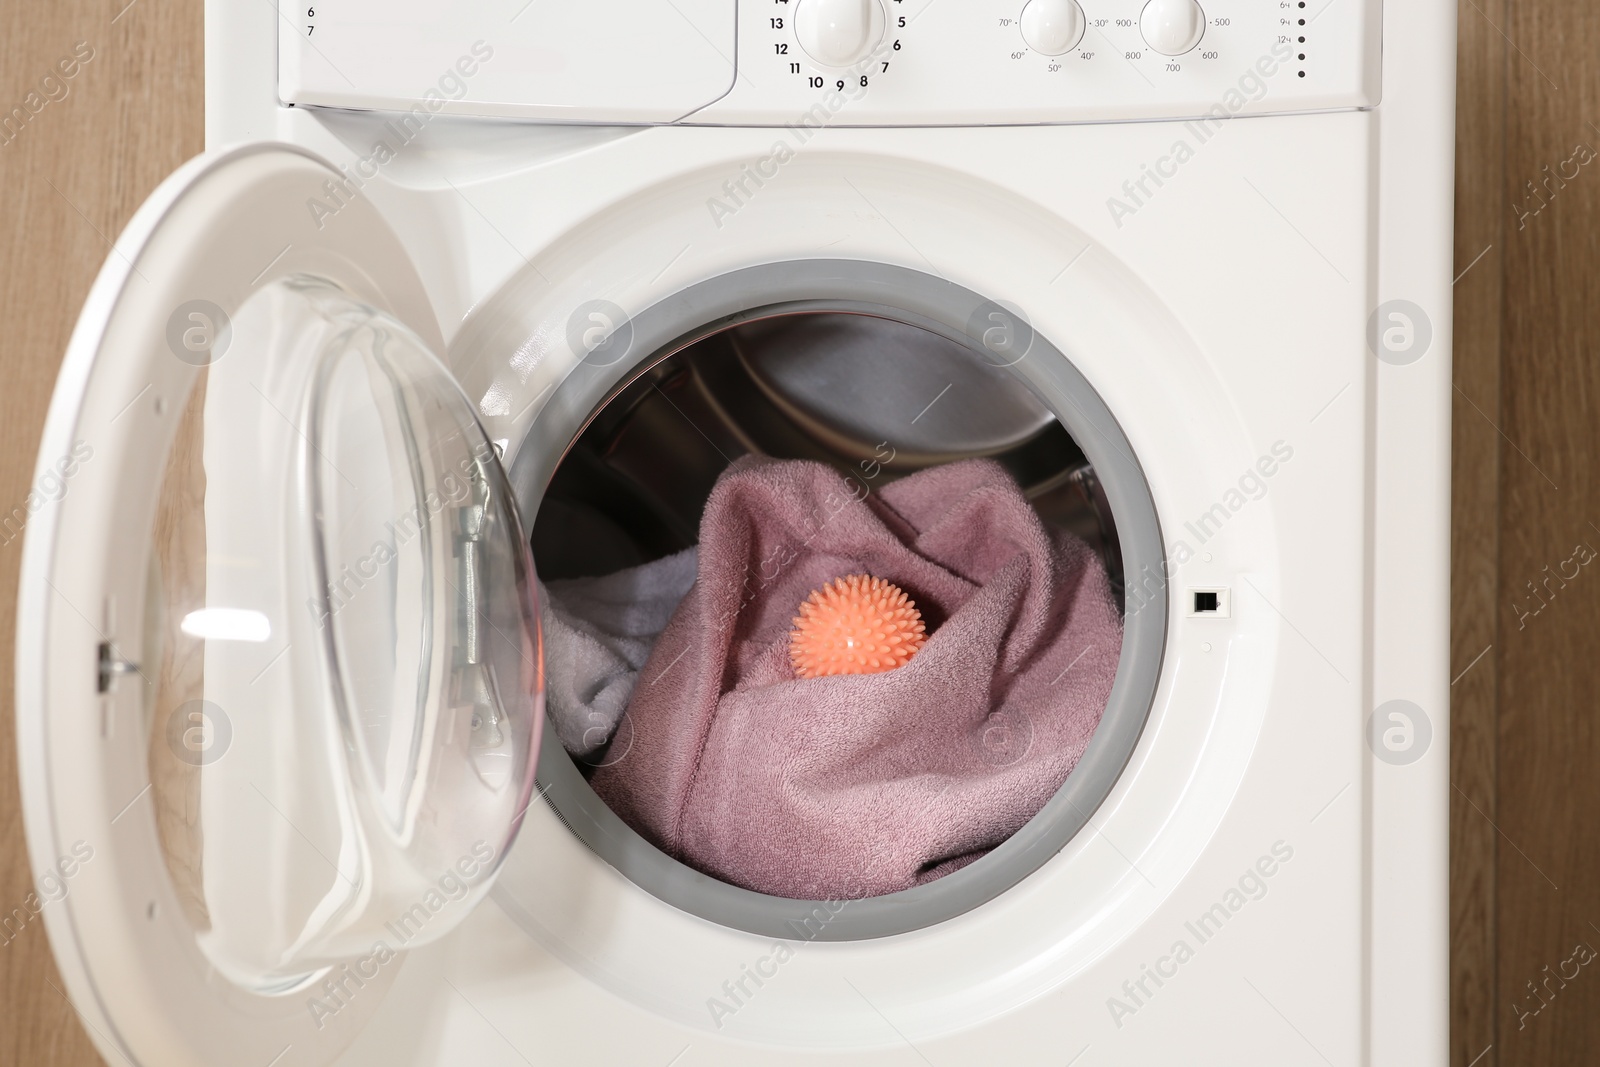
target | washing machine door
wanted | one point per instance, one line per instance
(278, 672)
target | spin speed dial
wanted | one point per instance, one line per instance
(1172, 27)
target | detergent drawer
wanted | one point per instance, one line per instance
(642, 61)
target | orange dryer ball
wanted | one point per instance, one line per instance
(855, 625)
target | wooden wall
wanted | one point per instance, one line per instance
(71, 178)
(1475, 523)
(1526, 859)
(1525, 750)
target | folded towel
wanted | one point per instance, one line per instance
(597, 634)
(859, 785)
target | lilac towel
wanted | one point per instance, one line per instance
(856, 786)
(597, 633)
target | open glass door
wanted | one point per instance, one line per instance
(279, 682)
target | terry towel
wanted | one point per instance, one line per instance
(598, 632)
(853, 786)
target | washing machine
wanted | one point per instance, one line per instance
(464, 298)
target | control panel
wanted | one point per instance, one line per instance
(925, 62)
(833, 62)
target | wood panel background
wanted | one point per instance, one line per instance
(1526, 902)
(1475, 522)
(1526, 791)
(71, 178)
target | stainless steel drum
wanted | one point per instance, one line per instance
(834, 387)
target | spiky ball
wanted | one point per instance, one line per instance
(855, 625)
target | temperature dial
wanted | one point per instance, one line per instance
(1052, 27)
(837, 33)
(1172, 27)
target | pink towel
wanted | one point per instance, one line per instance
(854, 786)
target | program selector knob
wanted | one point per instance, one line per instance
(837, 33)
(1172, 27)
(1052, 27)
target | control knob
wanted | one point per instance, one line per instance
(1052, 27)
(837, 33)
(1172, 27)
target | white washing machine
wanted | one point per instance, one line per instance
(278, 660)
